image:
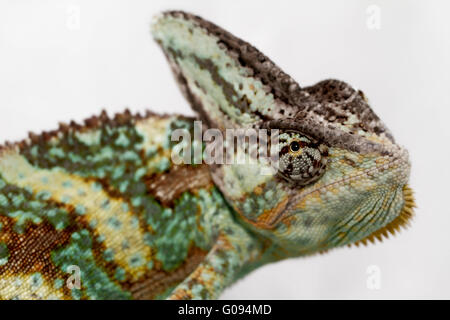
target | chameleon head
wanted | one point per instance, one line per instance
(326, 191)
(340, 177)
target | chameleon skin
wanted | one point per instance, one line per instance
(105, 196)
(92, 196)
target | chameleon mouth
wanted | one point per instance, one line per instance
(402, 221)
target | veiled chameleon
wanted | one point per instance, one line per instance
(105, 201)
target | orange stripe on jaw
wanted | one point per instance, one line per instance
(269, 218)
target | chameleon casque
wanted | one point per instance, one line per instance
(105, 197)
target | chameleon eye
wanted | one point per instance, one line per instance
(302, 160)
(295, 146)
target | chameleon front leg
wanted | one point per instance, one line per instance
(233, 249)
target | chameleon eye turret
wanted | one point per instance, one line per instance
(301, 159)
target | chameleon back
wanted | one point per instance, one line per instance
(103, 198)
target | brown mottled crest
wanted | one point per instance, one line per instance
(230, 83)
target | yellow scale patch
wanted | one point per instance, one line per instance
(152, 130)
(20, 286)
(18, 171)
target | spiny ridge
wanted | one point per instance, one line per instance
(402, 221)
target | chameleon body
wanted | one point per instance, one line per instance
(104, 198)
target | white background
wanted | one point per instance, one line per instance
(52, 70)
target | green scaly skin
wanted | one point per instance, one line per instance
(106, 197)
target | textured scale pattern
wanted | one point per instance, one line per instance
(80, 196)
(106, 198)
